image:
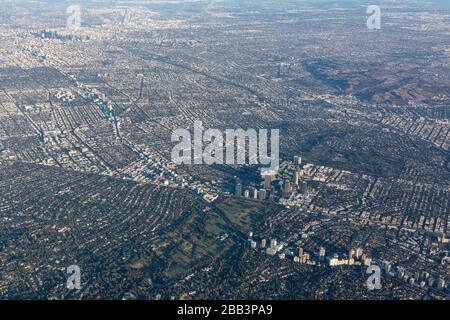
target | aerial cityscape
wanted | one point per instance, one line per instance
(224, 149)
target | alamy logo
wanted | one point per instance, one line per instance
(374, 281)
(74, 20)
(234, 147)
(374, 20)
(74, 280)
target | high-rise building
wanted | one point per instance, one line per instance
(238, 190)
(286, 188)
(267, 181)
(322, 253)
(297, 177)
(246, 194)
(359, 252)
(273, 243)
(262, 194)
(351, 253)
(300, 251)
(255, 193)
(263, 243)
(417, 275)
(303, 187)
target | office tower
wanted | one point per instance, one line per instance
(303, 187)
(359, 252)
(322, 253)
(250, 235)
(297, 160)
(306, 257)
(262, 195)
(298, 176)
(286, 188)
(267, 181)
(417, 275)
(255, 193)
(351, 254)
(300, 251)
(263, 243)
(238, 191)
(273, 243)
(246, 194)
(253, 244)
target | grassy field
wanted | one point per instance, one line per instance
(202, 236)
(243, 213)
